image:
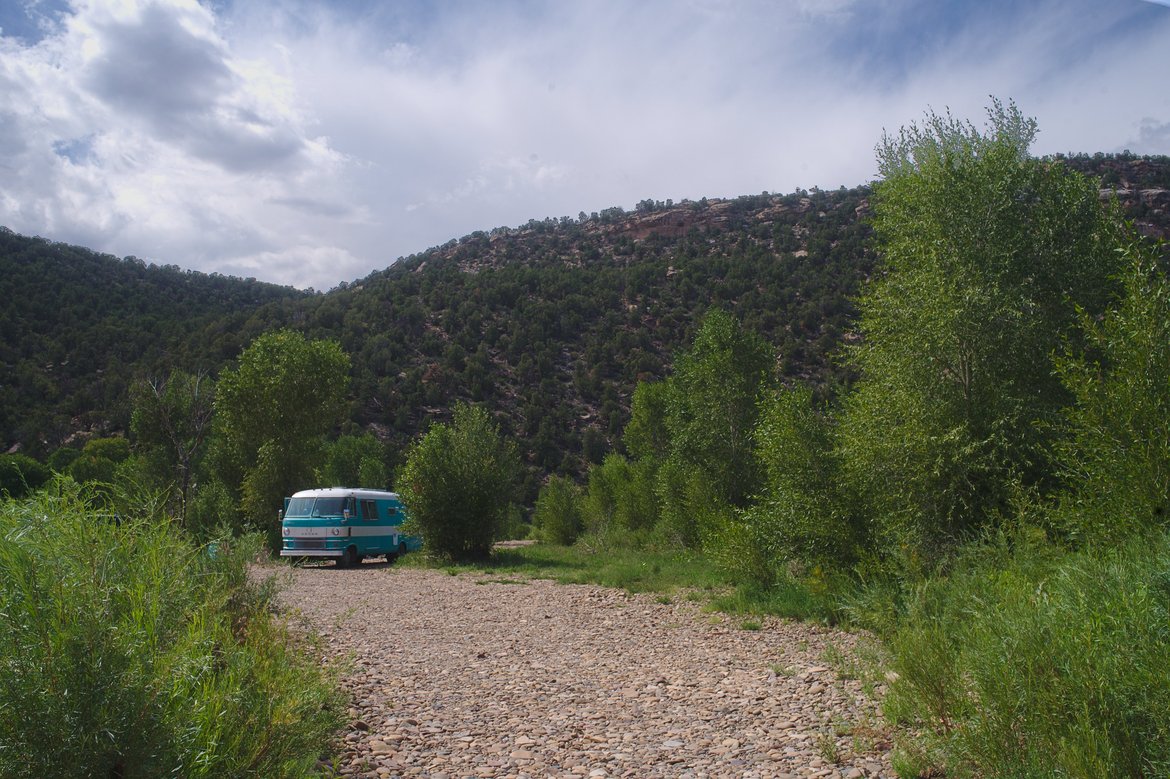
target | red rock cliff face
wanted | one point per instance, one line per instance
(1149, 209)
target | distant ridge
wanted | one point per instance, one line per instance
(549, 324)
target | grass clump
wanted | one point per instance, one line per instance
(126, 651)
(1027, 662)
(787, 597)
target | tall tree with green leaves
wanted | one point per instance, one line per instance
(458, 482)
(171, 422)
(987, 253)
(714, 404)
(272, 413)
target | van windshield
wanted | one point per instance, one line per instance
(315, 507)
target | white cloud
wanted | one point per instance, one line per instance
(304, 143)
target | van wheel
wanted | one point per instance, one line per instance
(391, 557)
(349, 558)
(401, 547)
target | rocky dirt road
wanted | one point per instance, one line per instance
(472, 676)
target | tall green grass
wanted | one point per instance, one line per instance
(125, 651)
(1030, 662)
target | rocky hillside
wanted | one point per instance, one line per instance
(549, 324)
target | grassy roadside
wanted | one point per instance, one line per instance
(633, 570)
(627, 569)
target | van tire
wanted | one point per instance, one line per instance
(349, 558)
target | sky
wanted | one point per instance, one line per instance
(310, 143)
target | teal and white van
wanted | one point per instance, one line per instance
(345, 524)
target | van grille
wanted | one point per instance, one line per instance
(307, 543)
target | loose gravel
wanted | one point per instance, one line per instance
(477, 676)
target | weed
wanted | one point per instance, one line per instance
(1030, 662)
(748, 624)
(344, 616)
(845, 664)
(827, 746)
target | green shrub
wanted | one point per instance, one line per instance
(690, 510)
(20, 475)
(213, 509)
(126, 651)
(60, 460)
(1026, 662)
(1117, 456)
(620, 496)
(354, 461)
(457, 484)
(558, 517)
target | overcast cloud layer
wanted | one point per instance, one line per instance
(310, 143)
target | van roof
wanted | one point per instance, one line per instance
(347, 492)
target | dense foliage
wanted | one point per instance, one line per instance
(550, 325)
(1026, 662)
(989, 494)
(458, 482)
(128, 651)
(987, 256)
(272, 412)
(78, 328)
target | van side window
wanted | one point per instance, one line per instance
(369, 509)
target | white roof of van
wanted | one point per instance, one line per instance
(346, 492)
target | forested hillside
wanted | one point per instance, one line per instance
(550, 324)
(77, 327)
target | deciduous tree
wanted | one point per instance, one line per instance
(987, 254)
(171, 422)
(458, 482)
(272, 412)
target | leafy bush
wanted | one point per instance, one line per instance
(1117, 457)
(99, 460)
(20, 475)
(458, 483)
(558, 518)
(126, 651)
(354, 461)
(801, 518)
(620, 496)
(691, 511)
(1026, 662)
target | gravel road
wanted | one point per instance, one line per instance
(474, 676)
